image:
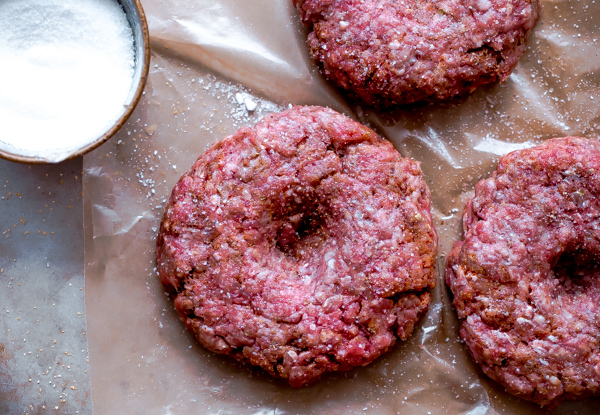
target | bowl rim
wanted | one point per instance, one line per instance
(145, 61)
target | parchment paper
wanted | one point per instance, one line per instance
(212, 60)
(44, 365)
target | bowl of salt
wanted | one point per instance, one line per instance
(72, 73)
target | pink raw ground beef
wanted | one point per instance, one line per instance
(398, 52)
(526, 279)
(303, 245)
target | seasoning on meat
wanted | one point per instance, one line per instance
(389, 52)
(526, 280)
(302, 245)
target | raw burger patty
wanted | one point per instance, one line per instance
(526, 280)
(303, 245)
(398, 52)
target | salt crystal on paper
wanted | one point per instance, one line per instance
(66, 74)
(250, 105)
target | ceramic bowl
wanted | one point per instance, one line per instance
(141, 43)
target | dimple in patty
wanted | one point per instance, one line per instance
(525, 278)
(303, 245)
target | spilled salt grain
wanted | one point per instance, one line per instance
(66, 73)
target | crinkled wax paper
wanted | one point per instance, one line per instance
(220, 65)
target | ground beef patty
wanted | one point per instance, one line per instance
(303, 245)
(525, 279)
(399, 52)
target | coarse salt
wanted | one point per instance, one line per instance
(66, 74)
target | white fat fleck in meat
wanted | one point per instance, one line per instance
(522, 320)
(331, 264)
(484, 5)
(394, 45)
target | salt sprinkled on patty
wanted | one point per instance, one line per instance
(302, 245)
(398, 52)
(526, 280)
